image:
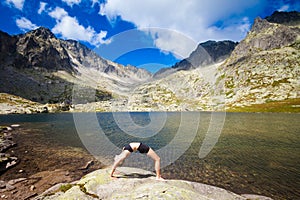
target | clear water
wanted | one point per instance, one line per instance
(254, 152)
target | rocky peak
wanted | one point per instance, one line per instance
(40, 48)
(49, 66)
(287, 18)
(42, 32)
(205, 54)
(264, 36)
(260, 24)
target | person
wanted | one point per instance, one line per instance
(142, 148)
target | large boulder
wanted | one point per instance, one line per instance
(132, 183)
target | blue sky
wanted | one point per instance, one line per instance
(144, 33)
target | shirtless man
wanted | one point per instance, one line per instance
(142, 148)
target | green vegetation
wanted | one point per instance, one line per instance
(66, 187)
(289, 106)
(83, 189)
(220, 78)
(277, 83)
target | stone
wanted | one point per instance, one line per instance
(133, 183)
(32, 187)
(87, 165)
(9, 128)
(10, 187)
(2, 184)
(255, 197)
(14, 181)
(10, 164)
(7, 162)
(15, 125)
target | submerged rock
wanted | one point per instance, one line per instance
(132, 183)
(6, 142)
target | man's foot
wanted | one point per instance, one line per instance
(159, 178)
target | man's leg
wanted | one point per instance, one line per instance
(119, 159)
(156, 159)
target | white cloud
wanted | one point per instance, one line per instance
(16, 3)
(163, 40)
(72, 2)
(58, 13)
(42, 7)
(284, 8)
(70, 28)
(25, 24)
(195, 19)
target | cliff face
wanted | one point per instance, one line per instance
(264, 67)
(39, 67)
(205, 54)
(265, 36)
(40, 48)
(286, 18)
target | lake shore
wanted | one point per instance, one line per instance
(10, 104)
(40, 166)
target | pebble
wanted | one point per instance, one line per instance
(2, 184)
(9, 128)
(10, 164)
(14, 181)
(10, 187)
(21, 171)
(15, 125)
(32, 188)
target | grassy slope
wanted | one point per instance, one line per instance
(290, 106)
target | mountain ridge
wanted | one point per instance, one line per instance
(262, 69)
(206, 53)
(49, 67)
(287, 18)
(261, 74)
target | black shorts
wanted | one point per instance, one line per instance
(143, 148)
(128, 148)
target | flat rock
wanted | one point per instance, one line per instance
(132, 183)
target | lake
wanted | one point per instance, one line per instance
(255, 153)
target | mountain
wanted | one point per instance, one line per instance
(286, 18)
(261, 74)
(39, 67)
(205, 54)
(265, 66)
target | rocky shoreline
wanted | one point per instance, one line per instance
(10, 104)
(6, 142)
(24, 171)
